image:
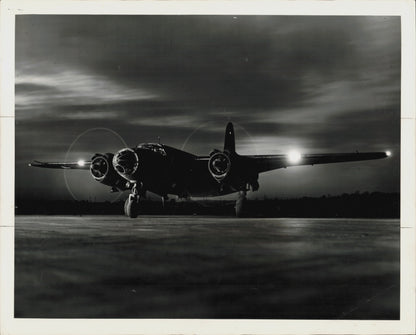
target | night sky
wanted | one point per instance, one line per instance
(317, 84)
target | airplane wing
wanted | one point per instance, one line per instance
(81, 165)
(264, 163)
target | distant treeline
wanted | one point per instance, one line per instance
(357, 205)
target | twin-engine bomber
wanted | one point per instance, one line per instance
(164, 170)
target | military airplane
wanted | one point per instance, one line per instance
(164, 170)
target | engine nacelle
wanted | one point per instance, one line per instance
(102, 170)
(126, 163)
(219, 165)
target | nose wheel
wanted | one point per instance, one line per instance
(131, 205)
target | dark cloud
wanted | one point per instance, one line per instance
(319, 83)
(220, 61)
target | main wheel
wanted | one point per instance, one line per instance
(125, 206)
(131, 207)
(239, 204)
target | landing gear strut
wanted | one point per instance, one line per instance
(131, 205)
(239, 204)
(165, 199)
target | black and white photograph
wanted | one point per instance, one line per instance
(208, 166)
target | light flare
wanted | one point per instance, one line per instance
(294, 157)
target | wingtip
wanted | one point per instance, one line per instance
(34, 163)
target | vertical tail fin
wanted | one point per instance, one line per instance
(229, 140)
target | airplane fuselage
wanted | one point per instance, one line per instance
(162, 169)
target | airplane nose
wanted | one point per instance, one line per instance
(126, 162)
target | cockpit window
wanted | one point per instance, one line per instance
(155, 147)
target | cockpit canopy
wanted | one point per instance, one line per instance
(155, 147)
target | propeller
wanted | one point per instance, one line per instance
(80, 184)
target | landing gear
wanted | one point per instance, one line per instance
(239, 204)
(165, 199)
(131, 205)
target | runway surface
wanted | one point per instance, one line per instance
(206, 267)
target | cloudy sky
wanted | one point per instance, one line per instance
(318, 84)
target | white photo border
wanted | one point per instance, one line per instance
(406, 325)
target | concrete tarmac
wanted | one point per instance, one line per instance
(206, 267)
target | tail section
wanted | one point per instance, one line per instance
(229, 140)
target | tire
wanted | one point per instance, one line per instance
(125, 206)
(131, 207)
(239, 206)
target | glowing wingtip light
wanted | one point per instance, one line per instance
(388, 153)
(81, 162)
(294, 157)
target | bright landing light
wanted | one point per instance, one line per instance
(81, 162)
(294, 157)
(388, 153)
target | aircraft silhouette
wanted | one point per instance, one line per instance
(164, 170)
